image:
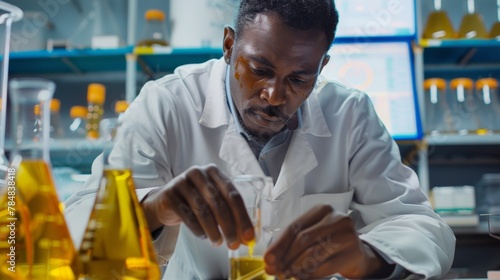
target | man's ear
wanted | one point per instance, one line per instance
(227, 43)
(324, 62)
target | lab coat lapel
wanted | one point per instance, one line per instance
(235, 151)
(299, 161)
(300, 158)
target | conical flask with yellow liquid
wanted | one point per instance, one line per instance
(35, 240)
(117, 242)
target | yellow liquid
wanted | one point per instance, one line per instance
(152, 42)
(246, 268)
(43, 245)
(438, 26)
(117, 242)
(472, 26)
(251, 245)
(94, 116)
(495, 31)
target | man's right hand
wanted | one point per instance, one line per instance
(206, 202)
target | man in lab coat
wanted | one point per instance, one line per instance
(342, 201)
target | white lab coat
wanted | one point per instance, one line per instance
(341, 155)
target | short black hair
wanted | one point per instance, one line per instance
(298, 14)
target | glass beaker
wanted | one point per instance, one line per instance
(486, 91)
(56, 128)
(117, 242)
(438, 25)
(495, 28)
(247, 261)
(43, 247)
(465, 106)
(436, 106)
(154, 31)
(472, 25)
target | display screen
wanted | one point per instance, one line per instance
(375, 18)
(384, 70)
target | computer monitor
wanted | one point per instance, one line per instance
(376, 18)
(384, 70)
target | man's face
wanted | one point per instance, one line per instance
(273, 69)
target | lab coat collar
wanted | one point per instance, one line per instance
(216, 112)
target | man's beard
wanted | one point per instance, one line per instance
(264, 137)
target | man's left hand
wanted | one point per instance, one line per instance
(322, 243)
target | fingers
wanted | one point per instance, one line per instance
(198, 202)
(183, 210)
(236, 205)
(330, 234)
(278, 250)
(310, 259)
(311, 268)
(210, 206)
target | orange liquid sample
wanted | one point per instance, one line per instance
(43, 247)
(117, 242)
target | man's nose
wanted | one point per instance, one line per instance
(274, 93)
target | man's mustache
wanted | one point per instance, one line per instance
(271, 111)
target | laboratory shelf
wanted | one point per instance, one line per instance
(81, 61)
(166, 59)
(449, 139)
(78, 61)
(462, 53)
(430, 43)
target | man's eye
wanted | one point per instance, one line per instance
(297, 80)
(260, 72)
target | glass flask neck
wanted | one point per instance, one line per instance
(119, 140)
(30, 142)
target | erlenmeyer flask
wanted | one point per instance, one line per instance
(117, 242)
(495, 29)
(472, 25)
(43, 246)
(13, 14)
(438, 25)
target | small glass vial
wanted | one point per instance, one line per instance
(436, 106)
(96, 94)
(154, 31)
(78, 114)
(56, 128)
(486, 92)
(465, 106)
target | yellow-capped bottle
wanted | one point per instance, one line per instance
(96, 95)
(438, 24)
(30, 211)
(154, 32)
(120, 107)
(117, 242)
(472, 24)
